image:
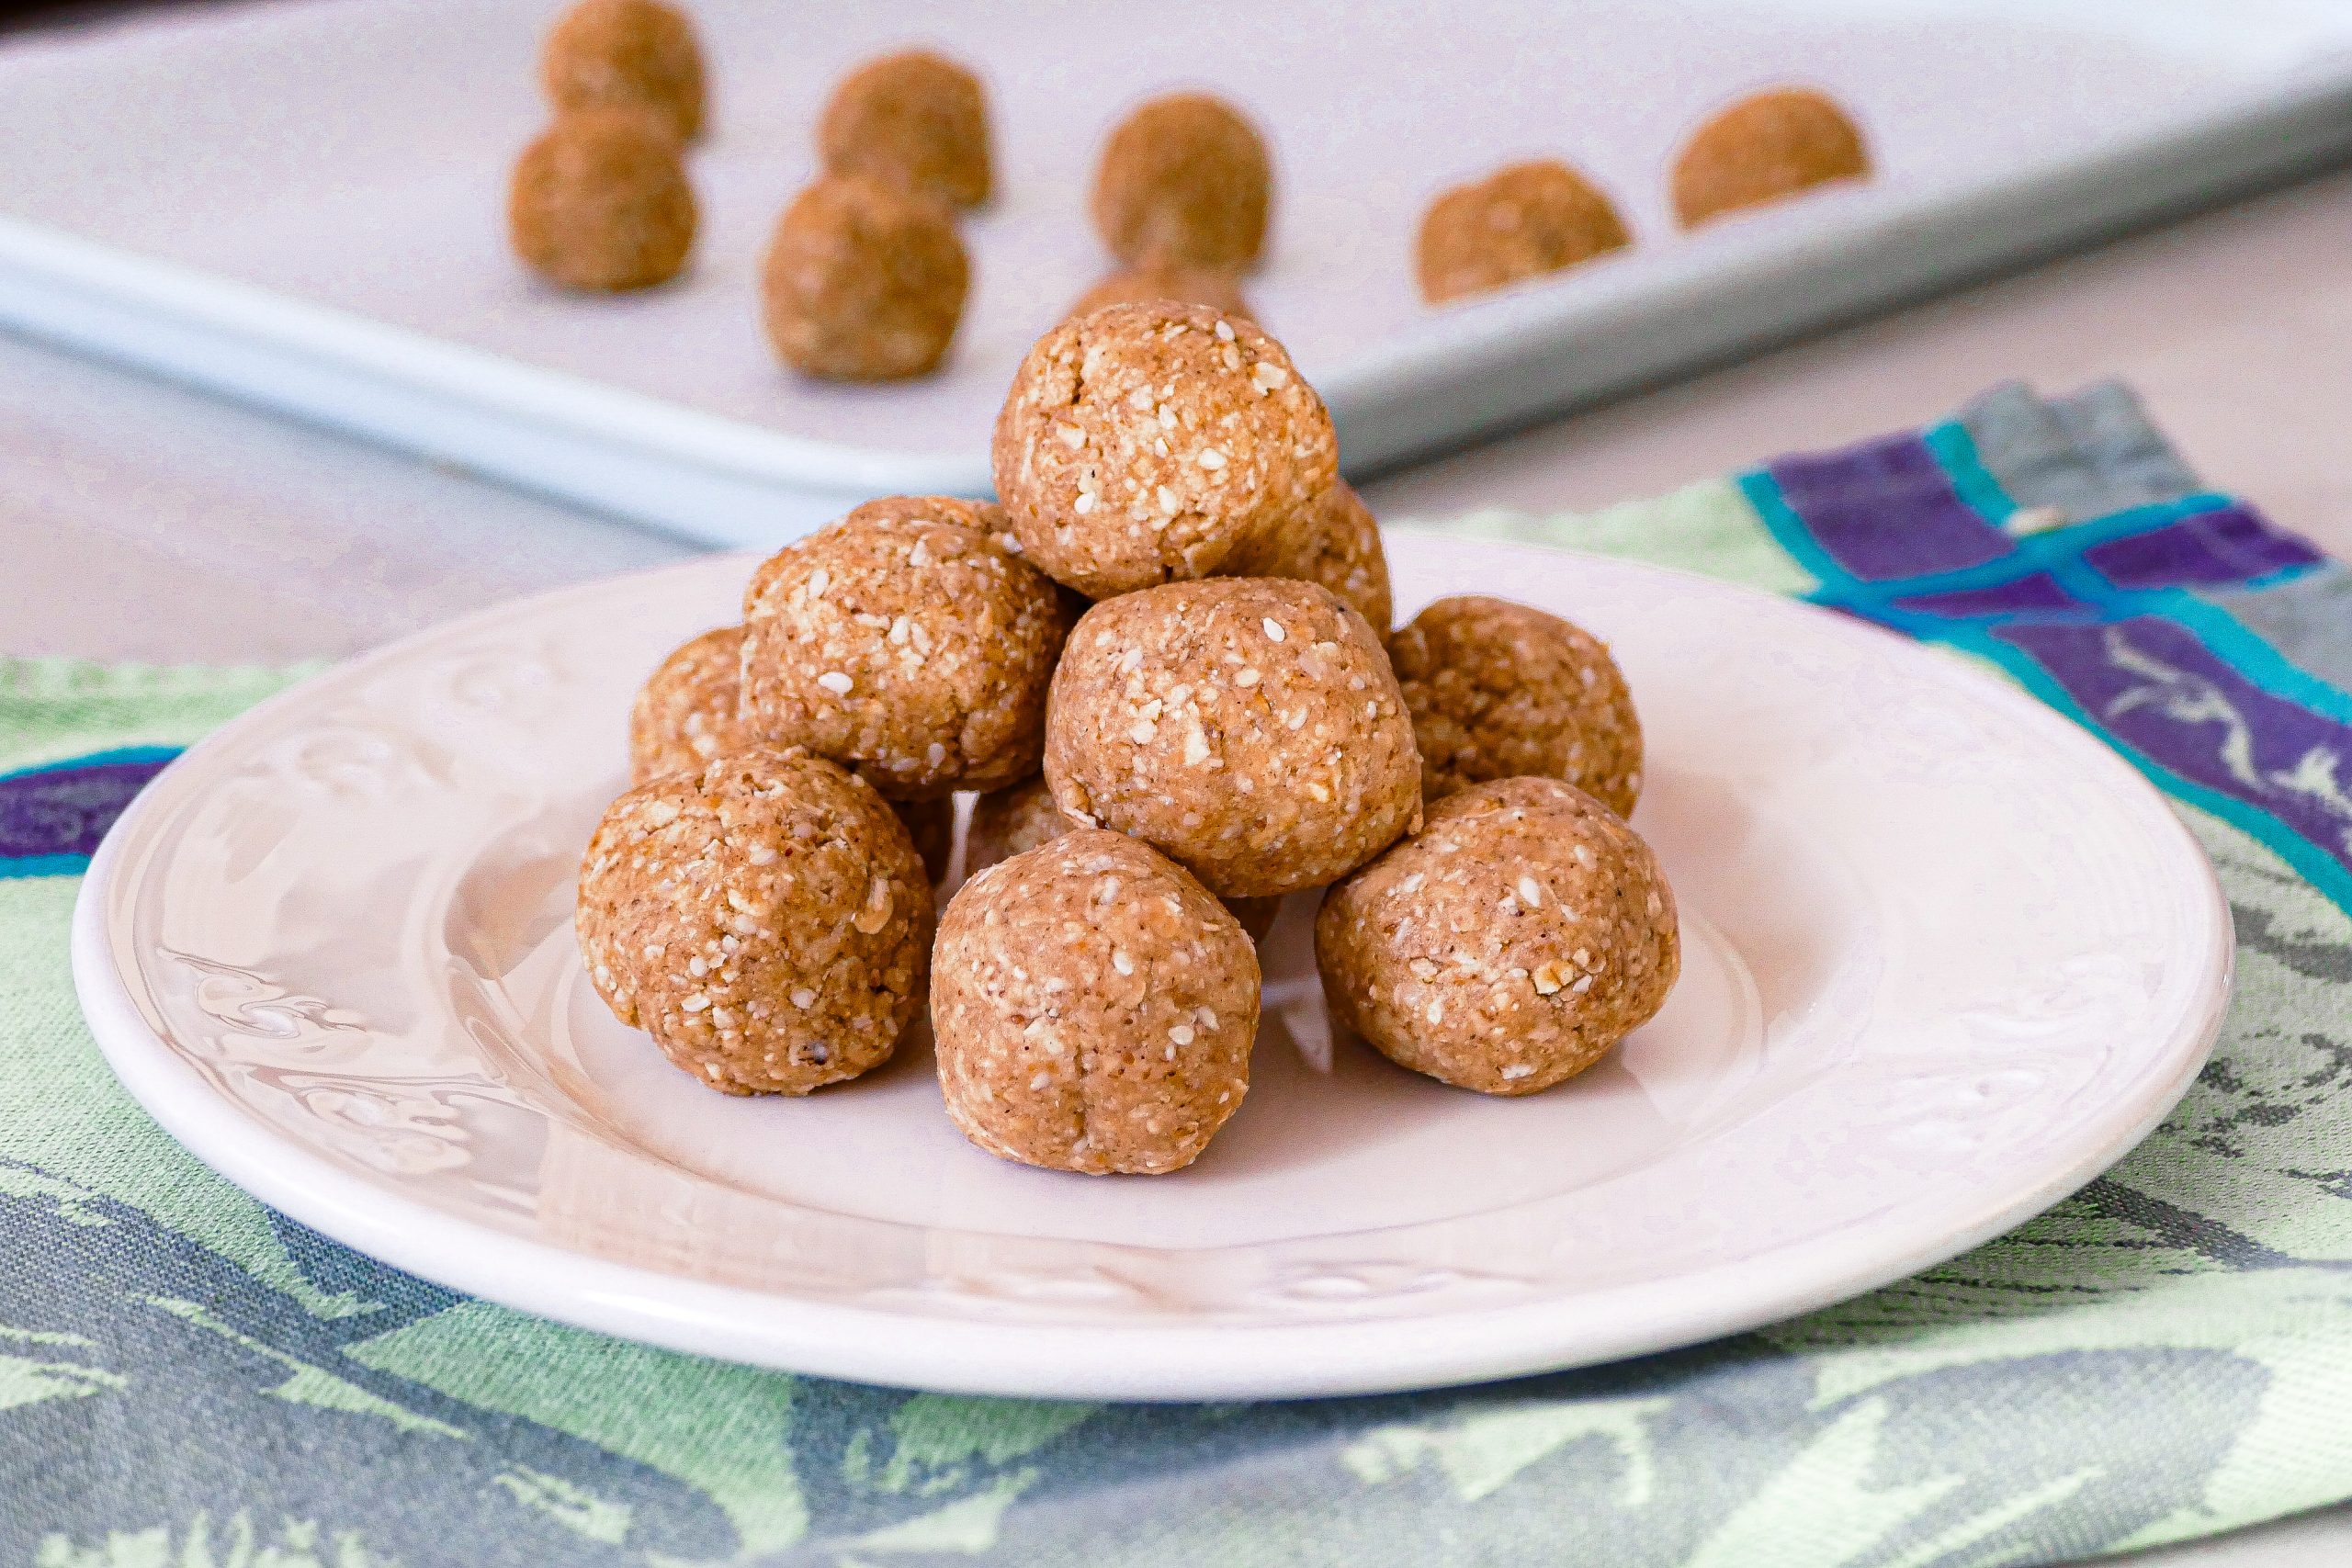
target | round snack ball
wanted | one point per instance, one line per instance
(1763, 149)
(1147, 444)
(600, 202)
(905, 642)
(1184, 181)
(1519, 222)
(1497, 690)
(1520, 935)
(766, 920)
(916, 119)
(685, 715)
(863, 282)
(1333, 541)
(628, 54)
(1249, 728)
(1008, 822)
(1093, 1009)
(1214, 287)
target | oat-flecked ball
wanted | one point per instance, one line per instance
(1008, 822)
(916, 119)
(1519, 222)
(1093, 1009)
(1217, 289)
(685, 715)
(766, 920)
(905, 642)
(600, 203)
(1333, 541)
(1522, 932)
(625, 55)
(1764, 148)
(1147, 444)
(1497, 690)
(863, 282)
(1184, 181)
(1249, 728)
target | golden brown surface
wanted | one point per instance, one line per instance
(863, 282)
(1497, 690)
(1093, 1008)
(627, 54)
(1334, 541)
(1509, 945)
(1519, 222)
(1008, 822)
(916, 119)
(1218, 290)
(905, 642)
(766, 922)
(685, 715)
(1184, 181)
(1147, 444)
(1763, 149)
(1249, 728)
(600, 202)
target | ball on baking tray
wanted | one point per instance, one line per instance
(1215, 288)
(1249, 728)
(1505, 946)
(914, 119)
(600, 203)
(1497, 690)
(906, 642)
(863, 281)
(1184, 181)
(766, 920)
(1764, 148)
(1093, 1008)
(625, 55)
(1520, 221)
(1147, 444)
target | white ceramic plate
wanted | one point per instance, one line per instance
(300, 203)
(1946, 958)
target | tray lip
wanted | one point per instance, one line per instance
(1154, 1363)
(2308, 105)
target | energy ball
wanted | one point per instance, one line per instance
(1764, 148)
(1217, 289)
(1147, 444)
(1248, 727)
(1519, 222)
(685, 715)
(600, 203)
(1497, 690)
(1184, 181)
(906, 643)
(1333, 541)
(1518, 936)
(627, 54)
(1093, 1009)
(1008, 822)
(863, 281)
(766, 920)
(917, 120)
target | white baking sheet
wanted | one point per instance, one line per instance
(302, 202)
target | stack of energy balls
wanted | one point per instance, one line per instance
(1164, 665)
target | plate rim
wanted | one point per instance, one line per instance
(1142, 1363)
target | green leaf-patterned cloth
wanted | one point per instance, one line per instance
(189, 1379)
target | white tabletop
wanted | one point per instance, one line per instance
(143, 522)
